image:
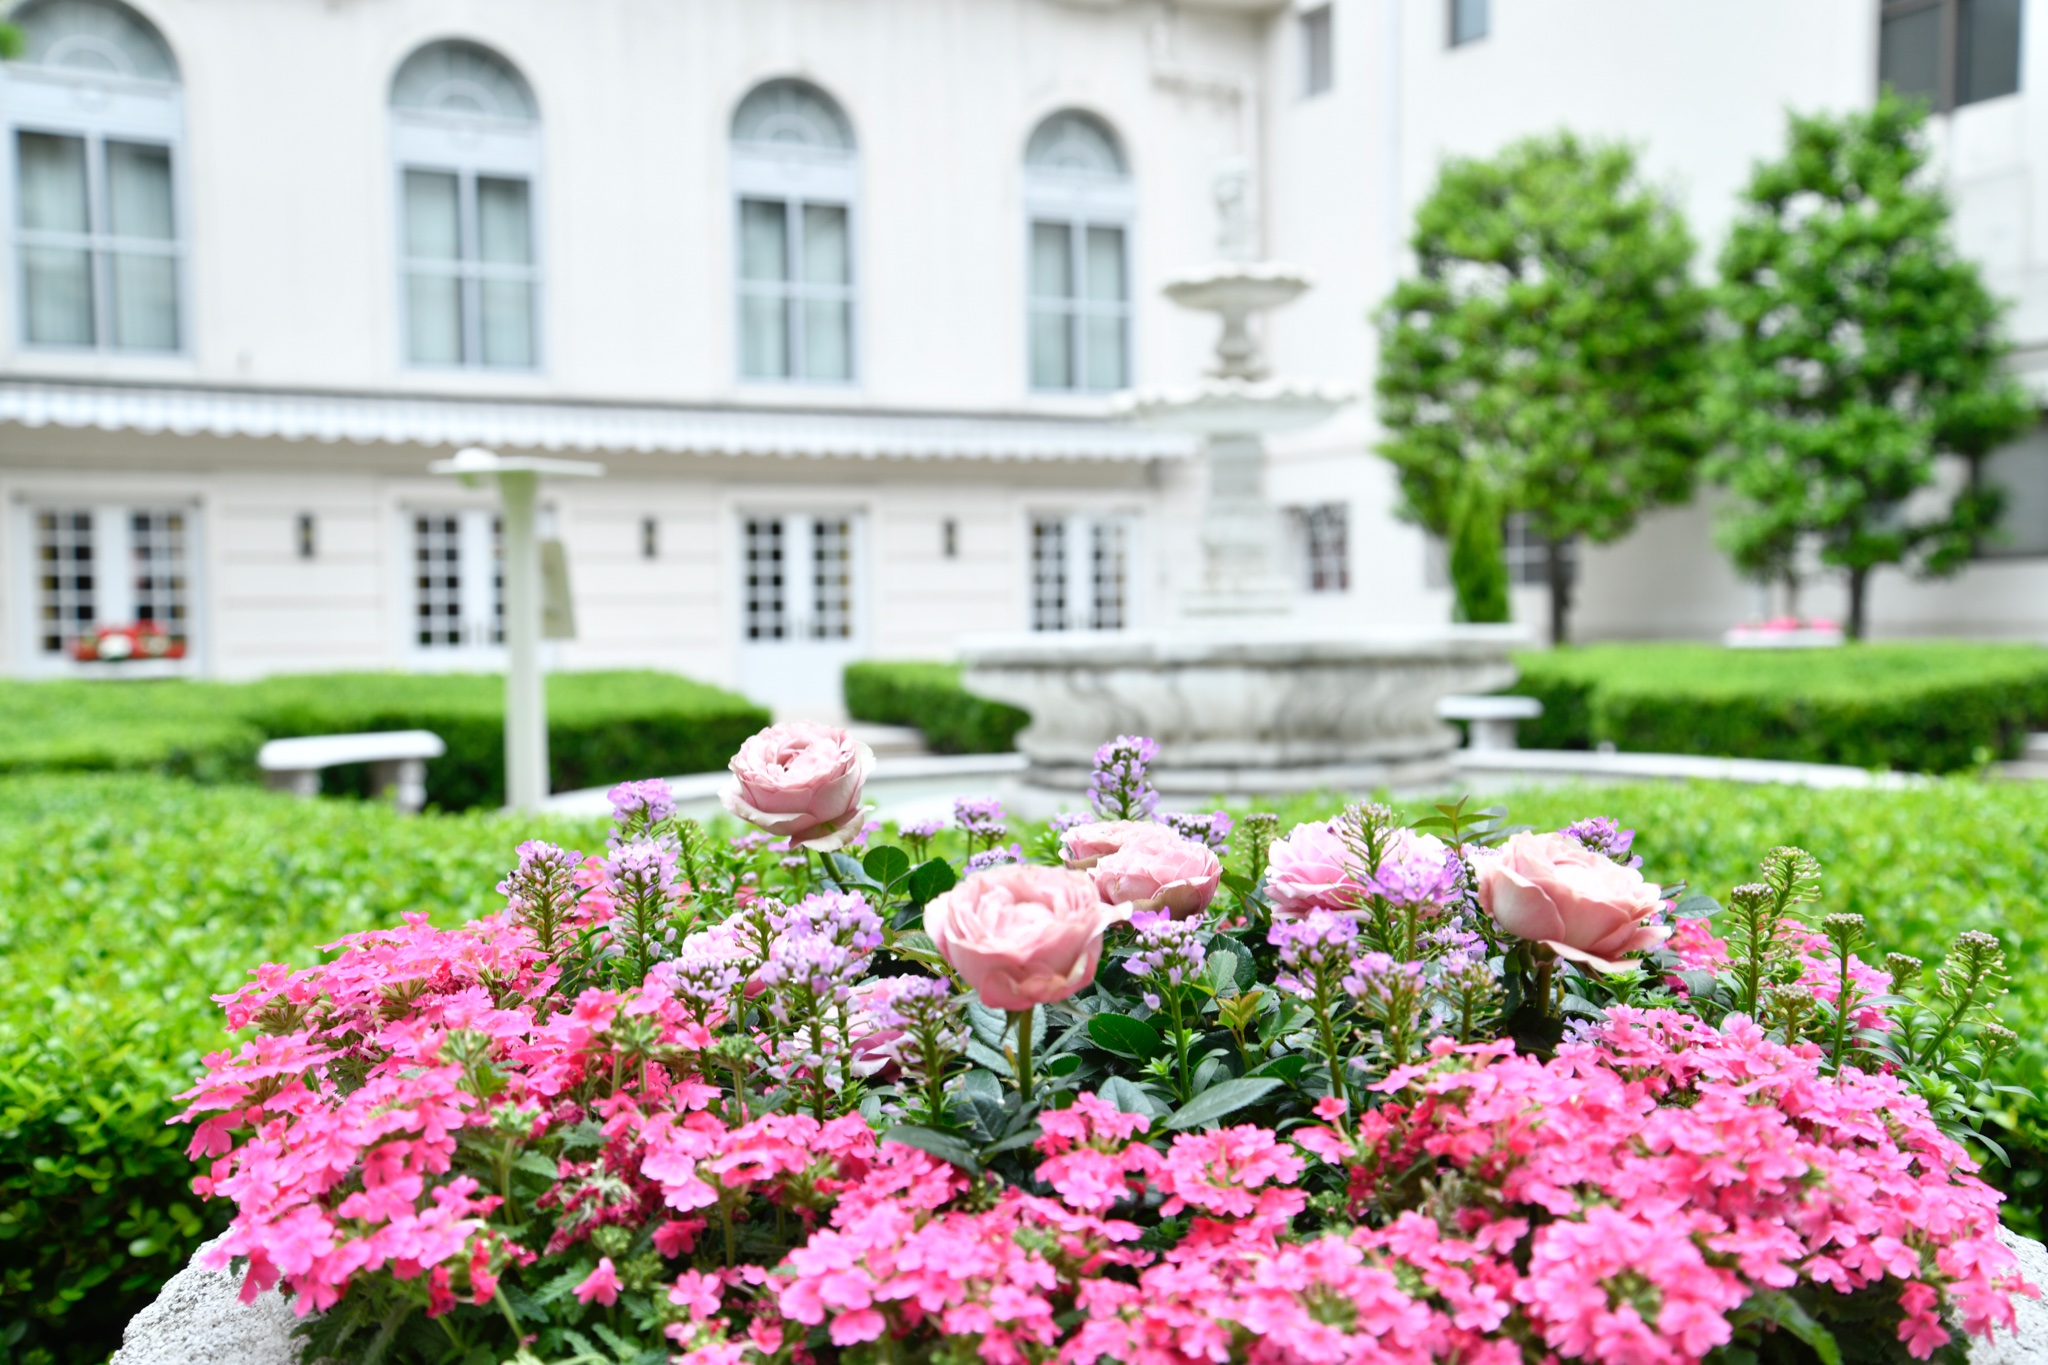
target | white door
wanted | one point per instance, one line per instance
(801, 608)
(123, 568)
(455, 615)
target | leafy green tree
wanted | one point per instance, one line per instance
(1860, 350)
(1478, 563)
(1551, 346)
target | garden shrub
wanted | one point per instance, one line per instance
(930, 696)
(124, 902)
(1923, 706)
(602, 727)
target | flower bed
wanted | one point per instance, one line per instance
(1398, 1094)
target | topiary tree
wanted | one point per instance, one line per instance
(1550, 347)
(1478, 562)
(1861, 349)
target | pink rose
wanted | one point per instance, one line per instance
(1309, 870)
(1553, 890)
(801, 781)
(1085, 845)
(1160, 871)
(1022, 935)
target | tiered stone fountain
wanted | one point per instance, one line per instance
(1243, 699)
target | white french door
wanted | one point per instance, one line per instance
(456, 578)
(96, 567)
(802, 606)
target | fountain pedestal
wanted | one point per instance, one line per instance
(1242, 699)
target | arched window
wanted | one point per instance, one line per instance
(94, 119)
(1078, 196)
(466, 132)
(795, 175)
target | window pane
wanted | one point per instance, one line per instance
(139, 191)
(56, 288)
(1106, 265)
(764, 240)
(64, 577)
(1107, 568)
(1990, 64)
(52, 177)
(437, 581)
(1048, 575)
(157, 541)
(433, 319)
(764, 337)
(828, 339)
(504, 222)
(1105, 352)
(507, 323)
(767, 605)
(832, 579)
(1909, 53)
(1315, 51)
(1052, 349)
(1469, 21)
(433, 218)
(828, 258)
(145, 297)
(1052, 268)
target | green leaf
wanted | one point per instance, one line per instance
(1063, 1066)
(1130, 1097)
(1782, 1310)
(1240, 884)
(847, 872)
(1221, 1100)
(931, 880)
(1221, 970)
(1286, 1068)
(1122, 1034)
(944, 1146)
(887, 864)
(1697, 906)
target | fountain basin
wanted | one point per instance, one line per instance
(1217, 407)
(1243, 709)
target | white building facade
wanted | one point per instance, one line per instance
(838, 290)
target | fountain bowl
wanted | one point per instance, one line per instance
(1219, 407)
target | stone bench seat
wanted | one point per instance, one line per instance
(397, 759)
(1492, 718)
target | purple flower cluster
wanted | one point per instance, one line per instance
(708, 966)
(1119, 788)
(994, 857)
(921, 829)
(980, 817)
(1315, 952)
(1168, 954)
(1070, 819)
(1211, 830)
(544, 875)
(1418, 879)
(641, 872)
(1379, 984)
(1604, 835)
(639, 807)
(843, 917)
(812, 963)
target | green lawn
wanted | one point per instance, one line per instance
(126, 900)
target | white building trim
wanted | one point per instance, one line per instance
(375, 419)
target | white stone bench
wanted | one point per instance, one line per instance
(1493, 719)
(397, 759)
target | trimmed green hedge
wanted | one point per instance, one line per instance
(930, 697)
(124, 902)
(1924, 706)
(602, 727)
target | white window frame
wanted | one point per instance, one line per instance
(97, 107)
(1078, 568)
(113, 593)
(1081, 200)
(480, 594)
(795, 176)
(469, 147)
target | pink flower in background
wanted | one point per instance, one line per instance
(1160, 871)
(803, 782)
(1553, 890)
(1310, 870)
(1022, 935)
(1083, 846)
(601, 1284)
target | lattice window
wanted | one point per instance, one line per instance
(1110, 571)
(64, 576)
(437, 560)
(767, 602)
(832, 578)
(1048, 574)
(1322, 539)
(162, 596)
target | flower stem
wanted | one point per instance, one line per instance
(1022, 1019)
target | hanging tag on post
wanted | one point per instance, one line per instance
(557, 607)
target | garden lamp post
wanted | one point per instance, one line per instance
(526, 708)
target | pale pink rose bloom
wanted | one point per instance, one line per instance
(1085, 845)
(1553, 890)
(1160, 871)
(1021, 934)
(801, 781)
(1309, 870)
